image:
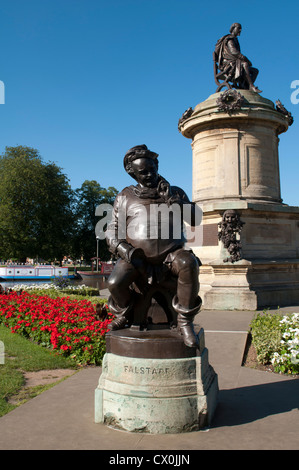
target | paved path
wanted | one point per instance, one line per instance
(256, 410)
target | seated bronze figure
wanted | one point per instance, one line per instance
(231, 68)
(151, 266)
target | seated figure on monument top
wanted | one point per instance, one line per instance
(231, 66)
(146, 256)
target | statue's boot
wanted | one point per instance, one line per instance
(255, 89)
(185, 321)
(123, 314)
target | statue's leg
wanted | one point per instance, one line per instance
(249, 77)
(186, 303)
(120, 300)
(185, 267)
(253, 73)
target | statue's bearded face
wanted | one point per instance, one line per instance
(145, 171)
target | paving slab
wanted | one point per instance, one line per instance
(256, 410)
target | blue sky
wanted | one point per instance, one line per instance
(85, 80)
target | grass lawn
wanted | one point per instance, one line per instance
(23, 355)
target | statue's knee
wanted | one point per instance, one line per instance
(112, 284)
(187, 262)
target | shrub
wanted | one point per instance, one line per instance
(266, 335)
(61, 282)
(276, 340)
(286, 359)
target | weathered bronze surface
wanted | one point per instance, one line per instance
(151, 265)
(230, 226)
(185, 116)
(152, 344)
(230, 101)
(231, 68)
(281, 109)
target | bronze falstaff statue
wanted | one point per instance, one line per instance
(147, 259)
(231, 66)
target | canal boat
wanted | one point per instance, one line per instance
(38, 272)
(105, 269)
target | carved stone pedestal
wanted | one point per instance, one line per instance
(235, 154)
(236, 166)
(152, 383)
(268, 273)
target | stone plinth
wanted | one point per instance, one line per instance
(235, 156)
(268, 274)
(155, 384)
(236, 166)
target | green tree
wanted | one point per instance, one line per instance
(88, 197)
(36, 218)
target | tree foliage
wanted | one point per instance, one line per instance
(36, 218)
(41, 216)
(88, 197)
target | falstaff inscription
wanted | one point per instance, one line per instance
(146, 370)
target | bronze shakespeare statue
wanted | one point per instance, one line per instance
(151, 265)
(231, 66)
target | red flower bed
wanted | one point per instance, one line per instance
(67, 326)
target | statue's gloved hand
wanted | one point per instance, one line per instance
(132, 255)
(123, 250)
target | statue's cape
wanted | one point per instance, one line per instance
(219, 54)
(219, 46)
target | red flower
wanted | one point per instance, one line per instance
(56, 322)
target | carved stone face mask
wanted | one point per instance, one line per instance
(230, 217)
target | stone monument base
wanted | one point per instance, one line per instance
(268, 273)
(235, 139)
(155, 384)
(250, 285)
